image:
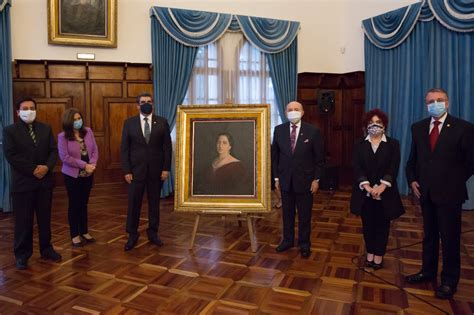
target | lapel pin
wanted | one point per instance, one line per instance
(448, 125)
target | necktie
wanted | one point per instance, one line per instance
(434, 134)
(147, 130)
(32, 133)
(293, 137)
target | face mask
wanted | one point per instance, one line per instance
(28, 116)
(437, 109)
(375, 129)
(146, 108)
(294, 116)
(78, 124)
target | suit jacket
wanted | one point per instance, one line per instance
(146, 161)
(304, 165)
(70, 153)
(442, 174)
(23, 155)
(373, 167)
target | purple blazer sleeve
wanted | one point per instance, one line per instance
(92, 148)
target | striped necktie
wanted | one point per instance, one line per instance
(32, 133)
(293, 137)
(147, 130)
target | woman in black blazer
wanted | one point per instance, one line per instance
(375, 195)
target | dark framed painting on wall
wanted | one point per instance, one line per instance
(222, 158)
(82, 22)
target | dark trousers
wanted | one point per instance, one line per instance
(304, 203)
(136, 190)
(442, 221)
(375, 227)
(25, 204)
(78, 191)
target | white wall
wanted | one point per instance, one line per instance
(327, 26)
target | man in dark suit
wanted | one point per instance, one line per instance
(31, 151)
(439, 164)
(297, 161)
(146, 160)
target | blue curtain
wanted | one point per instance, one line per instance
(177, 34)
(431, 55)
(6, 99)
(284, 73)
(173, 64)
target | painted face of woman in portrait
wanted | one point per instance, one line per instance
(223, 145)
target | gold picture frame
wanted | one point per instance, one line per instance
(239, 184)
(82, 22)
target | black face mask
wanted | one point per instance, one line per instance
(146, 108)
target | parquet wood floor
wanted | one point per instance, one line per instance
(221, 275)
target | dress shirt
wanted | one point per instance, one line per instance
(142, 122)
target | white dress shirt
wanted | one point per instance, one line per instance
(142, 122)
(441, 120)
(298, 127)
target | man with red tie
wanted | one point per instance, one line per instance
(440, 162)
(297, 162)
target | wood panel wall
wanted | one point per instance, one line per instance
(104, 93)
(341, 127)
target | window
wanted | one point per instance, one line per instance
(254, 81)
(205, 84)
(239, 76)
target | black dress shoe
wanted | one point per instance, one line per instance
(377, 266)
(369, 264)
(89, 240)
(21, 263)
(51, 254)
(155, 240)
(79, 244)
(305, 252)
(419, 278)
(445, 292)
(132, 241)
(284, 246)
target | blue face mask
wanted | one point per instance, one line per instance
(77, 124)
(437, 109)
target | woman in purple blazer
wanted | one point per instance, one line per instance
(79, 154)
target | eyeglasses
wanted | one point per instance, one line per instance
(438, 100)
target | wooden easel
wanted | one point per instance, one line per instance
(249, 217)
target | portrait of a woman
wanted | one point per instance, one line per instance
(226, 174)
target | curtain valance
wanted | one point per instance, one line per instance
(389, 30)
(3, 4)
(456, 15)
(198, 28)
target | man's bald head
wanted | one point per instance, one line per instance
(294, 106)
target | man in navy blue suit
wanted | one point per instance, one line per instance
(440, 162)
(297, 162)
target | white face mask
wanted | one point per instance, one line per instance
(28, 116)
(294, 116)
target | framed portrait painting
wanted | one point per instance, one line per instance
(82, 22)
(223, 159)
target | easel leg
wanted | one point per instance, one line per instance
(253, 239)
(196, 223)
